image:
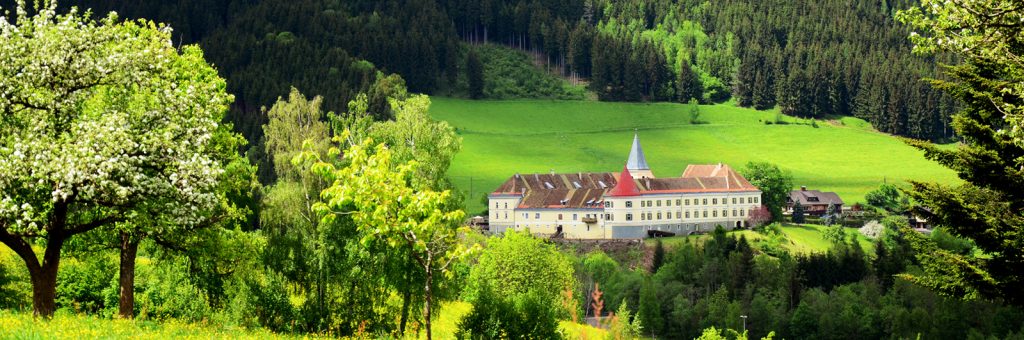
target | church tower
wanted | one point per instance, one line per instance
(637, 163)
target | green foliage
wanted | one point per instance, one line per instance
(658, 258)
(693, 112)
(166, 292)
(474, 75)
(798, 214)
(649, 310)
(623, 325)
(525, 316)
(518, 263)
(985, 209)
(886, 197)
(82, 284)
(507, 73)
(775, 185)
(951, 243)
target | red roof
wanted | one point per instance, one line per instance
(625, 186)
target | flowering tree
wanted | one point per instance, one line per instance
(759, 216)
(101, 123)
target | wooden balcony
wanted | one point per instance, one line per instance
(590, 220)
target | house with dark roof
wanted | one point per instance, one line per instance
(815, 202)
(629, 204)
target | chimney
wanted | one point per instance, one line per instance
(803, 188)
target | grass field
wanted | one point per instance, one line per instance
(15, 325)
(501, 138)
(804, 239)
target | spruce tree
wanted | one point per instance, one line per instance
(798, 213)
(475, 75)
(688, 85)
(988, 207)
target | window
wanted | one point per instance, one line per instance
(734, 200)
(607, 204)
(725, 201)
(506, 205)
(705, 213)
(742, 200)
(687, 201)
(506, 214)
(679, 215)
(743, 212)
(526, 216)
(629, 204)
(643, 204)
(649, 215)
(537, 216)
(756, 199)
(629, 217)
(668, 203)
(714, 201)
(495, 205)
(714, 213)
(559, 217)
(705, 201)
(687, 214)
(678, 201)
(649, 203)
(574, 217)
(659, 215)
(725, 213)
(659, 203)
(734, 213)
(642, 216)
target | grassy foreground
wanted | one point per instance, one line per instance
(501, 138)
(15, 325)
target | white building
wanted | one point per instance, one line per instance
(621, 205)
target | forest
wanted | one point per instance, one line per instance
(273, 166)
(815, 59)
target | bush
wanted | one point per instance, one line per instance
(526, 316)
(81, 284)
(164, 291)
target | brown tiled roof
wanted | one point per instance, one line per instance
(585, 190)
(713, 173)
(806, 197)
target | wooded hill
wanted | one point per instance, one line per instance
(809, 58)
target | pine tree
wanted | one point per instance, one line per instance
(475, 75)
(688, 85)
(658, 258)
(798, 213)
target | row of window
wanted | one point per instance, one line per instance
(649, 216)
(686, 202)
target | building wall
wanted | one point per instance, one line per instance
(627, 217)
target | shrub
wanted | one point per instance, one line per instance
(526, 316)
(81, 284)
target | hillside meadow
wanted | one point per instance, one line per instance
(501, 138)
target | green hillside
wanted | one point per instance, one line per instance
(501, 138)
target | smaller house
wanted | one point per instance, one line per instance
(815, 202)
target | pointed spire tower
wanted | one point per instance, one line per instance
(637, 163)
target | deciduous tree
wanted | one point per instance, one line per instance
(103, 122)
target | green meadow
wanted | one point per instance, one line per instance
(501, 138)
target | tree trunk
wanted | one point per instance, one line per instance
(129, 248)
(44, 277)
(428, 297)
(407, 300)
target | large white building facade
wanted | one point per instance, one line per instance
(627, 205)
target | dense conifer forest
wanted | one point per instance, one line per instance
(814, 59)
